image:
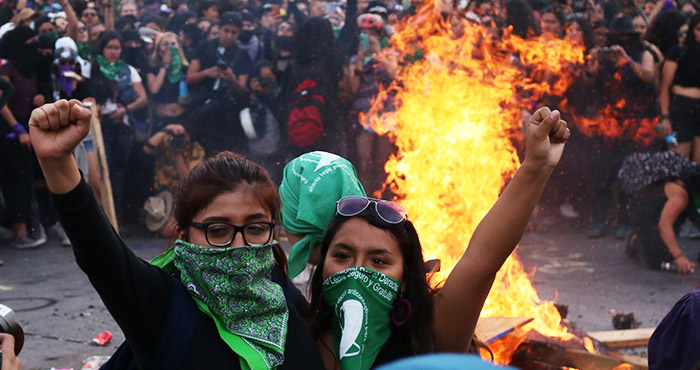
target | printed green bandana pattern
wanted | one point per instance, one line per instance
(110, 70)
(361, 300)
(234, 284)
(175, 70)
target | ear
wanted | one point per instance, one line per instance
(181, 234)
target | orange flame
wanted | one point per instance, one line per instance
(458, 112)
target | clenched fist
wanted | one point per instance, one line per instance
(57, 128)
(545, 138)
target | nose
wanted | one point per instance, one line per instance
(238, 240)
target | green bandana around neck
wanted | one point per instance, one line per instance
(233, 287)
(175, 69)
(311, 186)
(84, 50)
(361, 301)
(109, 70)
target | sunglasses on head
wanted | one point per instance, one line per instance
(390, 212)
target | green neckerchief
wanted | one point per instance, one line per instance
(361, 301)
(109, 70)
(233, 287)
(84, 50)
(175, 69)
(311, 185)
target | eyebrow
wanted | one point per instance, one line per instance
(377, 251)
(249, 218)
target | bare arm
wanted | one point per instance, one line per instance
(676, 202)
(109, 15)
(71, 18)
(194, 75)
(667, 73)
(142, 98)
(155, 82)
(645, 70)
(459, 303)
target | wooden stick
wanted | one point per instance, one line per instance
(623, 338)
(105, 182)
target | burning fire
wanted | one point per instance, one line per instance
(456, 122)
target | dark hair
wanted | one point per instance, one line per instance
(690, 41)
(179, 20)
(520, 16)
(223, 173)
(204, 6)
(153, 19)
(417, 332)
(193, 32)
(233, 18)
(104, 89)
(125, 21)
(663, 30)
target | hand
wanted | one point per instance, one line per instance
(374, 44)
(227, 74)
(9, 360)
(57, 128)
(545, 136)
(167, 54)
(211, 72)
(118, 114)
(621, 53)
(685, 267)
(175, 129)
(39, 100)
(666, 128)
(25, 140)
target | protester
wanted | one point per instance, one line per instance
(119, 91)
(312, 185)
(371, 243)
(225, 212)
(20, 48)
(167, 64)
(674, 342)
(679, 93)
(662, 188)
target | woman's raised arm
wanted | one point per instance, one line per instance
(459, 302)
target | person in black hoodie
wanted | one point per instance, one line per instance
(220, 298)
(319, 69)
(19, 46)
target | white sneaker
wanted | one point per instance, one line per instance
(568, 211)
(57, 231)
(25, 242)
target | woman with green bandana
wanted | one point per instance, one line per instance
(219, 298)
(311, 185)
(167, 63)
(119, 91)
(371, 303)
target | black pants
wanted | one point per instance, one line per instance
(16, 180)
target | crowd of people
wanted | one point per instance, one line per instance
(180, 81)
(179, 86)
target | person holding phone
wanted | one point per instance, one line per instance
(217, 77)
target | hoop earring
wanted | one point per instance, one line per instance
(401, 311)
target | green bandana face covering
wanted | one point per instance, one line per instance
(110, 70)
(84, 50)
(233, 287)
(361, 301)
(175, 69)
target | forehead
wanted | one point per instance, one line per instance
(235, 205)
(266, 72)
(229, 27)
(363, 237)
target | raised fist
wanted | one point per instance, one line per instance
(57, 128)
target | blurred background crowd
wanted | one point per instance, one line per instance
(179, 80)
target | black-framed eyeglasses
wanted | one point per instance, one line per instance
(221, 234)
(388, 211)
